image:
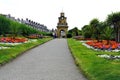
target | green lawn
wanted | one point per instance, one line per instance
(94, 67)
(7, 55)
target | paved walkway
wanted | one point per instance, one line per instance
(50, 61)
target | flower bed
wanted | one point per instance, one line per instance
(103, 45)
(81, 38)
(106, 56)
(11, 40)
(35, 36)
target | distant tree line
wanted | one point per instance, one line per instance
(74, 32)
(108, 29)
(14, 28)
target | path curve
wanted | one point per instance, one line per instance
(50, 61)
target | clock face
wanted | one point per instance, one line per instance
(62, 18)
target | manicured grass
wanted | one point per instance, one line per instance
(7, 55)
(94, 67)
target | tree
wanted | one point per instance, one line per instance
(14, 28)
(107, 33)
(102, 26)
(86, 31)
(95, 27)
(23, 30)
(79, 32)
(114, 19)
(4, 25)
(74, 31)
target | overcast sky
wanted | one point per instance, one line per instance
(78, 12)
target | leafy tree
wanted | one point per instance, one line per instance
(26, 30)
(14, 28)
(95, 28)
(74, 32)
(86, 31)
(69, 35)
(107, 33)
(23, 30)
(4, 25)
(79, 32)
(114, 19)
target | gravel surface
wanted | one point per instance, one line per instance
(50, 61)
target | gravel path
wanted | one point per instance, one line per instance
(50, 61)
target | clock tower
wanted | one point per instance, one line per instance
(62, 26)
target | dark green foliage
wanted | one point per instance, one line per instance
(95, 29)
(86, 31)
(48, 34)
(74, 32)
(4, 25)
(79, 32)
(14, 28)
(114, 19)
(24, 30)
(69, 35)
(107, 33)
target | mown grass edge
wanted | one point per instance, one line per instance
(77, 62)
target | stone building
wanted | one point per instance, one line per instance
(62, 26)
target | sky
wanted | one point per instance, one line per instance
(78, 12)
